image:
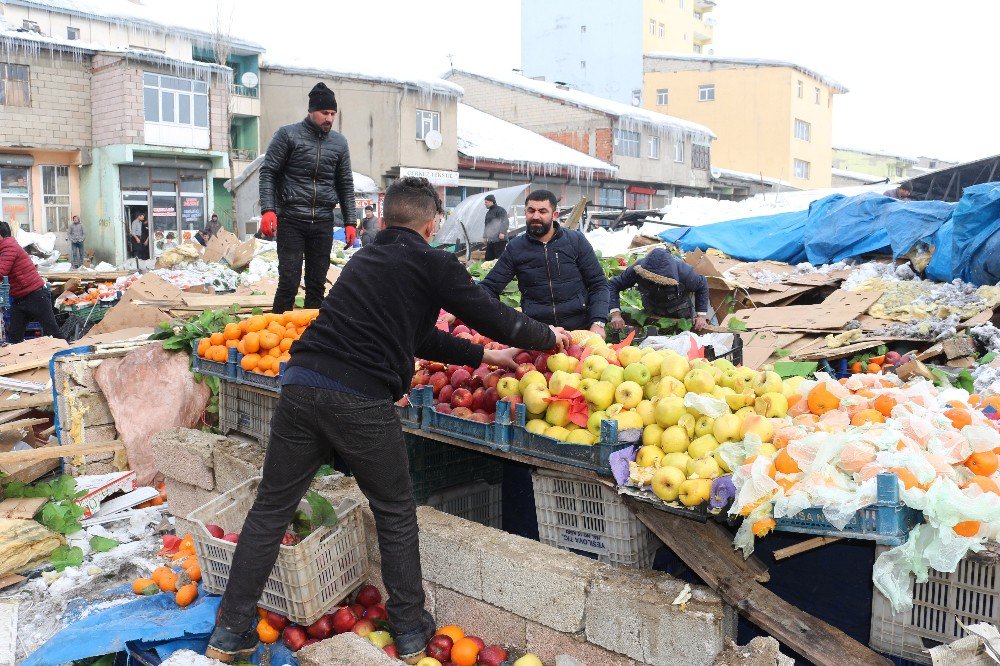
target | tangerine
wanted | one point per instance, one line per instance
(967, 528)
(218, 339)
(763, 527)
(983, 463)
(266, 633)
(987, 484)
(452, 631)
(251, 342)
(203, 346)
(884, 404)
(465, 652)
(256, 323)
(821, 401)
(785, 464)
(959, 417)
(249, 362)
(906, 477)
(231, 332)
(867, 416)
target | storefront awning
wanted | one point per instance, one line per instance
(7, 159)
(169, 162)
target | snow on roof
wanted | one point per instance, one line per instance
(857, 175)
(486, 137)
(877, 153)
(743, 175)
(631, 114)
(400, 76)
(159, 18)
(750, 62)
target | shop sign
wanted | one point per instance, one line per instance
(435, 176)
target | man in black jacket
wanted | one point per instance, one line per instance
(305, 174)
(337, 394)
(665, 284)
(561, 280)
(495, 228)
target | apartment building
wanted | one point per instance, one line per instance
(597, 46)
(658, 156)
(772, 118)
(875, 163)
(105, 116)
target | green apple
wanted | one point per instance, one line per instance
(594, 422)
(638, 373)
(653, 360)
(758, 425)
(740, 400)
(703, 426)
(723, 364)
(678, 459)
(629, 394)
(557, 413)
(767, 382)
(790, 386)
(728, 378)
(695, 491)
(628, 419)
(557, 432)
(727, 428)
(773, 405)
(652, 434)
(674, 365)
(561, 361)
(704, 468)
(722, 463)
(379, 638)
(536, 426)
(593, 366)
(508, 386)
(536, 397)
(601, 395)
(667, 482)
(702, 446)
(668, 411)
(628, 355)
(428, 661)
(744, 412)
(648, 456)
(614, 374)
(688, 422)
(767, 449)
(650, 388)
(585, 385)
(646, 411)
(745, 378)
(533, 377)
(561, 380)
(699, 381)
(674, 439)
(670, 386)
(581, 436)
(528, 660)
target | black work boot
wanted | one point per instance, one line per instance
(228, 646)
(412, 645)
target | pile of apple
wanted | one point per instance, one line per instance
(366, 617)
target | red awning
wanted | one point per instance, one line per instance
(640, 190)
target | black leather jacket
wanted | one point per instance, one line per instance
(305, 173)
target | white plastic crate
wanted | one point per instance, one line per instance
(970, 595)
(308, 578)
(247, 410)
(589, 517)
(479, 502)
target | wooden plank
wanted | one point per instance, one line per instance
(27, 402)
(21, 508)
(26, 365)
(50, 452)
(837, 352)
(803, 547)
(23, 423)
(10, 580)
(710, 555)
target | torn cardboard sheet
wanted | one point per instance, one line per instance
(23, 508)
(833, 314)
(239, 255)
(760, 346)
(100, 487)
(24, 542)
(218, 245)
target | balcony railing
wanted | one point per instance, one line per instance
(244, 91)
(244, 154)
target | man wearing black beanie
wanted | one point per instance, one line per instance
(305, 174)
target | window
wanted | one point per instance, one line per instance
(607, 196)
(55, 197)
(15, 197)
(626, 143)
(706, 93)
(697, 48)
(427, 121)
(660, 30)
(818, 93)
(801, 169)
(802, 130)
(652, 27)
(72, 33)
(654, 147)
(637, 97)
(679, 150)
(172, 100)
(15, 89)
(899, 172)
(801, 89)
(700, 157)
(932, 164)
(662, 95)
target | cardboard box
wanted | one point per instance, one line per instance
(101, 487)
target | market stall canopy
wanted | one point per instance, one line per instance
(362, 183)
(468, 220)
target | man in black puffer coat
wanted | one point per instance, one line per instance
(665, 284)
(561, 280)
(305, 174)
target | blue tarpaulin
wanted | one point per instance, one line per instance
(775, 237)
(970, 243)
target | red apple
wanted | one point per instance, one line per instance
(541, 362)
(344, 620)
(439, 647)
(368, 596)
(477, 641)
(420, 378)
(493, 655)
(309, 642)
(215, 531)
(391, 650)
(477, 398)
(232, 537)
(443, 408)
(321, 628)
(523, 369)
(461, 378)
(363, 627)
(548, 376)
(294, 638)
(376, 612)
(481, 417)
(277, 620)
(576, 351)
(462, 412)
(523, 357)
(435, 366)
(490, 397)
(438, 380)
(461, 398)
(491, 380)
(358, 609)
(445, 394)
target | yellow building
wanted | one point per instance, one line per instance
(875, 163)
(772, 118)
(681, 26)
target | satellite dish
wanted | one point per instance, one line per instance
(249, 80)
(433, 140)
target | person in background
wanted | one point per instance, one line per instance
(561, 280)
(495, 228)
(76, 238)
(213, 227)
(337, 396)
(135, 235)
(665, 284)
(903, 191)
(29, 299)
(369, 226)
(305, 174)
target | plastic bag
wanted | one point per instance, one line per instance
(706, 404)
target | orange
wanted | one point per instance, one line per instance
(274, 352)
(256, 323)
(266, 633)
(241, 348)
(286, 343)
(987, 484)
(867, 416)
(271, 373)
(873, 368)
(268, 340)
(762, 527)
(967, 528)
(906, 477)
(787, 484)
(276, 328)
(218, 339)
(264, 363)
(983, 463)
(249, 362)
(186, 594)
(785, 464)
(465, 652)
(233, 343)
(975, 399)
(821, 401)
(231, 332)
(856, 368)
(243, 326)
(452, 631)
(203, 346)
(959, 417)
(251, 342)
(139, 585)
(884, 404)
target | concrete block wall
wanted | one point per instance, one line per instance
(59, 115)
(504, 588)
(218, 113)
(117, 101)
(84, 414)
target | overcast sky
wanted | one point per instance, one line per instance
(918, 71)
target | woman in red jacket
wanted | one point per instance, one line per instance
(30, 301)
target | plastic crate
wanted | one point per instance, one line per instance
(495, 435)
(590, 518)
(434, 466)
(888, 521)
(410, 413)
(734, 355)
(593, 457)
(479, 502)
(308, 578)
(258, 379)
(969, 595)
(225, 370)
(5, 293)
(246, 410)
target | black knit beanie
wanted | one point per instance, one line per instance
(322, 98)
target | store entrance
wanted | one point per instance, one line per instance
(134, 204)
(174, 200)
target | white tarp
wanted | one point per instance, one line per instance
(468, 220)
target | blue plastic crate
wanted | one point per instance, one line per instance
(225, 370)
(409, 415)
(257, 379)
(888, 521)
(593, 457)
(435, 465)
(495, 435)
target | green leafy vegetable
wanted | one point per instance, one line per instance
(99, 544)
(988, 358)
(63, 517)
(966, 381)
(66, 556)
(736, 325)
(323, 513)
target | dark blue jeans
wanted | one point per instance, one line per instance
(309, 425)
(298, 240)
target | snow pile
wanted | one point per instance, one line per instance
(612, 243)
(988, 336)
(189, 658)
(986, 380)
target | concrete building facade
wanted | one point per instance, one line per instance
(874, 163)
(772, 118)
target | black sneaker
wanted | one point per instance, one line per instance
(411, 645)
(227, 646)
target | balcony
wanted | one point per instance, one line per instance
(244, 101)
(244, 91)
(704, 5)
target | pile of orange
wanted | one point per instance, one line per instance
(263, 341)
(183, 583)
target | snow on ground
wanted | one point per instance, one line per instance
(188, 658)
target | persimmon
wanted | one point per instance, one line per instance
(145, 586)
(186, 595)
(821, 401)
(193, 570)
(187, 544)
(165, 578)
(983, 463)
